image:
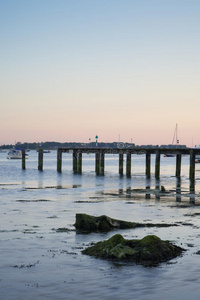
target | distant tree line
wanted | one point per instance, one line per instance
(55, 145)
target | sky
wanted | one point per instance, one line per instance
(124, 70)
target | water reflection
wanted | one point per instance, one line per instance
(157, 187)
(192, 197)
(128, 192)
(148, 185)
(192, 185)
(136, 186)
(192, 191)
(40, 180)
(121, 191)
(178, 189)
(127, 188)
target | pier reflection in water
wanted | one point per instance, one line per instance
(154, 190)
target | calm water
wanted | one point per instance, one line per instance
(37, 262)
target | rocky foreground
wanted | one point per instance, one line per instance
(148, 251)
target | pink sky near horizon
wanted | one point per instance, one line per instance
(125, 70)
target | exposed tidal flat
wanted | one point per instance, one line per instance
(40, 262)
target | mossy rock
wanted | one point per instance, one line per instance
(103, 223)
(150, 250)
(87, 223)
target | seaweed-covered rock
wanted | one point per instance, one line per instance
(87, 223)
(150, 250)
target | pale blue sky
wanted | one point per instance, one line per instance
(74, 69)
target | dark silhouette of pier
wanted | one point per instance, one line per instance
(101, 153)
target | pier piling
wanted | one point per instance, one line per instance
(121, 162)
(40, 159)
(23, 159)
(178, 165)
(59, 160)
(97, 165)
(102, 157)
(75, 161)
(79, 162)
(148, 165)
(157, 164)
(128, 164)
(192, 170)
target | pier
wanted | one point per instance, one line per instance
(124, 154)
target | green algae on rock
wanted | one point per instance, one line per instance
(87, 223)
(150, 250)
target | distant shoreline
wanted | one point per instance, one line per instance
(55, 145)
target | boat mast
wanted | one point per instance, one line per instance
(176, 135)
(177, 140)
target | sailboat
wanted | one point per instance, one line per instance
(175, 138)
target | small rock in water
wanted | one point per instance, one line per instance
(163, 189)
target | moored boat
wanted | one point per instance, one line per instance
(15, 154)
(44, 151)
